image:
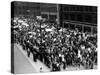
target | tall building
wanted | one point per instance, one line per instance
(76, 16)
(49, 11)
(70, 16)
(46, 10)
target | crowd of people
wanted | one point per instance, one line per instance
(55, 46)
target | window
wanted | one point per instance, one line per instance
(44, 16)
(88, 18)
(87, 29)
(72, 26)
(79, 17)
(66, 25)
(66, 16)
(94, 30)
(79, 27)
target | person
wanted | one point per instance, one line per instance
(28, 52)
(35, 54)
(41, 69)
(51, 44)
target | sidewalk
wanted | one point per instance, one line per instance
(37, 65)
(21, 64)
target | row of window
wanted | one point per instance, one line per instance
(50, 17)
(80, 27)
(48, 9)
(79, 8)
(91, 18)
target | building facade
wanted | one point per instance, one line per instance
(76, 16)
(70, 16)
